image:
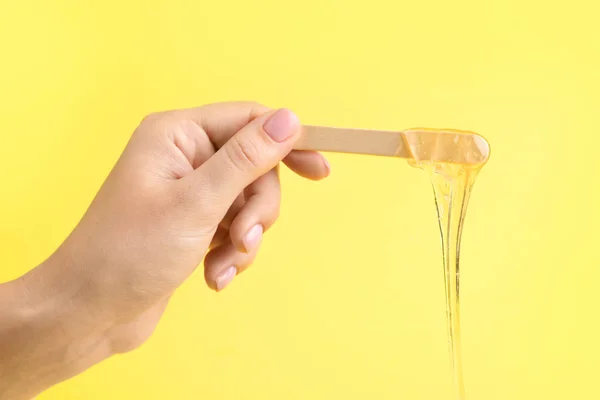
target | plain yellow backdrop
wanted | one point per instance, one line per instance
(346, 299)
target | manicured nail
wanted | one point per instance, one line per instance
(327, 165)
(225, 277)
(281, 125)
(252, 238)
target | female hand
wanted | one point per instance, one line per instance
(188, 182)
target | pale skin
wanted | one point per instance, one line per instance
(192, 185)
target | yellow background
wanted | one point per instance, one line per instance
(346, 299)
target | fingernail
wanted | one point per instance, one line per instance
(253, 237)
(225, 277)
(327, 165)
(281, 125)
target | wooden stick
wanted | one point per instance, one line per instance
(447, 145)
(358, 141)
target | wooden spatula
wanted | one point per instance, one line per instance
(420, 144)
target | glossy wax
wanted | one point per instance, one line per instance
(452, 184)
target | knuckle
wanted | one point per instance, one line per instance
(276, 212)
(151, 124)
(273, 215)
(160, 118)
(244, 263)
(256, 107)
(152, 118)
(243, 154)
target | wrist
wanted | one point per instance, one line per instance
(53, 298)
(47, 333)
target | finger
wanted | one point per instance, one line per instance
(221, 237)
(259, 213)
(221, 121)
(308, 164)
(233, 211)
(223, 263)
(250, 153)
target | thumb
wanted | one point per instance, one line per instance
(253, 151)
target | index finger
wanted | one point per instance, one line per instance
(221, 121)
